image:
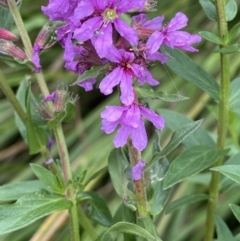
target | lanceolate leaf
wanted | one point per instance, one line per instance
(150, 94)
(28, 209)
(190, 162)
(231, 10)
(175, 205)
(177, 137)
(211, 37)
(209, 9)
(223, 232)
(236, 211)
(229, 49)
(13, 191)
(230, 171)
(48, 178)
(234, 99)
(183, 66)
(124, 227)
(88, 74)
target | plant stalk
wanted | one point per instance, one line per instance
(223, 122)
(139, 185)
(61, 144)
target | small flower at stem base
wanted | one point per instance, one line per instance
(137, 170)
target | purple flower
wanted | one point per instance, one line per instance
(50, 97)
(87, 84)
(137, 170)
(50, 143)
(99, 27)
(131, 124)
(170, 36)
(123, 74)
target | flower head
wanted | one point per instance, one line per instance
(131, 124)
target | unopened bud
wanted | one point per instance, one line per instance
(150, 6)
(7, 35)
(61, 97)
(10, 49)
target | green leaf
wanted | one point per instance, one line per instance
(234, 99)
(175, 205)
(28, 209)
(230, 171)
(231, 10)
(177, 137)
(48, 178)
(92, 73)
(233, 32)
(183, 66)
(124, 227)
(190, 162)
(6, 20)
(57, 120)
(117, 165)
(21, 96)
(124, 214)
(13, 191)
(148, 225)
(223, 232)
(200, 137)
(209, 9)
(97, 208)
(149, 93)
(70, 112)
(229, 49)
(37, 137)
(211, 37)
(97, 174)
(236, 211)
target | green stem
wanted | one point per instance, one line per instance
(63, 152)
(87, 225)
(223, 122)
(12, 98)
(139, 185)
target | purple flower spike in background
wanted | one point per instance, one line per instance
(137, 170)
(131, 124)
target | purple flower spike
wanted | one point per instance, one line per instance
(131, 124)
(137, 170)
(50, 97)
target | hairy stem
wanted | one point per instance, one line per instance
(139, 185)
(223, 122)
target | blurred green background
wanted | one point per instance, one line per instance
(89, 147)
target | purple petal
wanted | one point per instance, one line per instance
(108, 126)
(122, 136)
(127, 5)
(157, 120)
(35, 58)
(87, 84)
(137, 170)
(84, 9)
(114, 55)
(50, 143)
(139, 19)
(88, 28)
(155, 23)
(69, 52)
(158, 56)
(99, 4)
(50, 97)
(139, 137)
(110, 81)
(126, 31)
(154, 42)
(132, 117)
(179, 21)
(127, 93)
(112, 113)
(103, 40)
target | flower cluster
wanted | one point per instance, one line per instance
(93, 33)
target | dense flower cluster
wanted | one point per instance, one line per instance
(94, 33)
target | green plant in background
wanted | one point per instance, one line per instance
(100, 46)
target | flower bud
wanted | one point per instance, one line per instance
(7, 35)
(150, 6)
(10, 49)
